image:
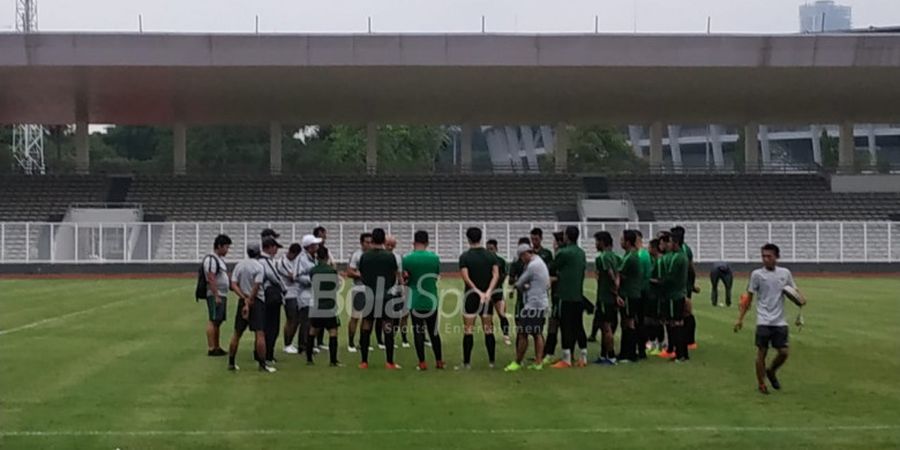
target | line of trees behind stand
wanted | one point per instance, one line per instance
(319, 150)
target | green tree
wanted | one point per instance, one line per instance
(602, 149)
(830, 147)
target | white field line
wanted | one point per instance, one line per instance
(78, 313)
(449, 431)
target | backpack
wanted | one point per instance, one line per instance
(202, 285)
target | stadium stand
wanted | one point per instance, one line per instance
(46, 198)
(475, 197)
(765, 197)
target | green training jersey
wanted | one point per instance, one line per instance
(516, 268)
(632, 277)
(605, 263)
(325, 285)
(480, 264)
(686, 249)
(569, 265)
(674, 275)
(646, 268)
(423, 268)
(503, 270)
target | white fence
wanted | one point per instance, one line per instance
(181, 242)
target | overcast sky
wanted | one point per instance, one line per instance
(436, 15)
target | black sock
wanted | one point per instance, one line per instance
(468, 342)
(332, 348)
(379, 328)
(419, 341)
(491, 345)
(504, 325)
(436, 347)
(550, 346)
(310, 352)
(389, 346)
(690, 325)
(230, 360)
(670, 339)
(403, 336)
(683, 333)
(364, 339)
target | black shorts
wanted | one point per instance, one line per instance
(554, 307)
(390, 307)
(216, 312)
(607, 312)
(291, 309)
(650, 307)
(632, 307)
(324, 323)
(256, 320)
(358, 300)
(530, 321)
(774, 336)
(497, 296)
(674, 309)
(473, 306)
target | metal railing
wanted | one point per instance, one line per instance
(183, 242)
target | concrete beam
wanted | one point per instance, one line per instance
(847, 148)
(675, 146)
(656, 145)
(751, 147)
(82, 150)
(465, 148)
(561, 148)
(371, 148)
(179, 142)
(275, 148)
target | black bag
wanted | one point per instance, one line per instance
(202, 285)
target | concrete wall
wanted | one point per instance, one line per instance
(865, 183)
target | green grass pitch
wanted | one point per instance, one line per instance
(113, 364)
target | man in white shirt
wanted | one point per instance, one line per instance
(768, 284)
(287, 268)
(534, 283)
(305, 264)
(246, 282)
(217, 282)
(358, 292)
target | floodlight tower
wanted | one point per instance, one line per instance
(28, 140)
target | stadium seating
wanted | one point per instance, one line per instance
(764, 197)
(42, 198)
(434, 198)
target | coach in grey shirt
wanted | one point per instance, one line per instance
(534, 281)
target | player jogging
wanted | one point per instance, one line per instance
(768, 284)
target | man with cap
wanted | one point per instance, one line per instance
(246, 282)
(321, 233)
(273, 295)
(305, 264)
(534, 283)
(287, 269)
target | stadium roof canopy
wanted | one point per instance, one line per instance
(479, 78)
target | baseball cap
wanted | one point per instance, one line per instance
(269, 241)
(523, 248)
(308, 240)
(268, 232)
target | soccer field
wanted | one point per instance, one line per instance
(122, 364)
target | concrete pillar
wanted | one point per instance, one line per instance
(718, 156)
(634, 135)
(465, 148)
(513, 147)
(561, 148)
(82, 150)
(656, 145)
(371, 148)
(675, 146)
(765, 145)
(815, 132)
(751, 147)
(179, 141)
(527, 141)
(847, 147)
(873, 148)
(275, 148)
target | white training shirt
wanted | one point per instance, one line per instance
(537, 277)
(305, 265)
(287, 269)
(768, 287)
(213, 263)
(246, 273)
(270, 276)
